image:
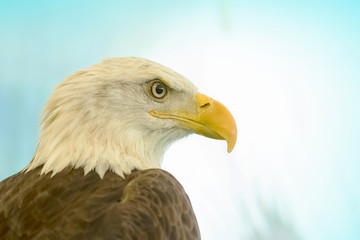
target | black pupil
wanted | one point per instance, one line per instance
(159, 89)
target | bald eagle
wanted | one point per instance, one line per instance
(96, 172)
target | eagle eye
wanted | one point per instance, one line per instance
(158, 89)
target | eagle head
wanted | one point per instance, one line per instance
(122, 114)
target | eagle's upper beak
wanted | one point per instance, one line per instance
(211, 119)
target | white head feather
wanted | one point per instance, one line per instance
(98, 118)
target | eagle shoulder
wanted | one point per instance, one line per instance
(147, 204)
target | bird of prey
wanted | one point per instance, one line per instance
(95, 173)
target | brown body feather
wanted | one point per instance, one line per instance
(148, 204)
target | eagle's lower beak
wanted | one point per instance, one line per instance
(211, 119)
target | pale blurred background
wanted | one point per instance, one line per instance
(289, 71)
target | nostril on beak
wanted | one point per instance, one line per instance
(205, 105)
(203, 102)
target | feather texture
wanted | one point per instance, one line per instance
(147, 204)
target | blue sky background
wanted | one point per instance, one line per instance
(288, 71)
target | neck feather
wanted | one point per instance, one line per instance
(118, 151)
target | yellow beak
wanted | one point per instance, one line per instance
(211, 119)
